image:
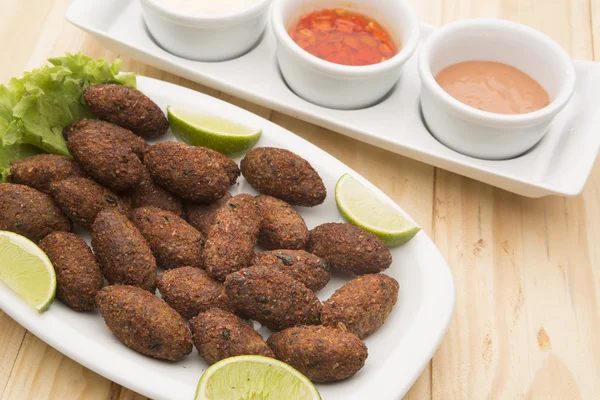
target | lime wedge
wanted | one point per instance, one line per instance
(360, 206)
(26, 269)
(213, 132)
(254, 378)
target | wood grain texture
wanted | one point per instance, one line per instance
(527, 271)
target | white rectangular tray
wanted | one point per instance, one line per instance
(560, 164)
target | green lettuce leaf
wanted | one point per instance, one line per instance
(8, 154)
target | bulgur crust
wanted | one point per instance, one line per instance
(202, 216)
(281, 227)
(191, 291)
(122, 251)
(349, 248)
(362, 305)
(144, 322)
(30, 213)
(285, 175)
(219, 334)
(230, 244)
(322, 354)
(148, 194)
(78, 275)
(272, 298)
(127, 107)
(193, 173)
(306, 268)
(40, 171)
(174, 242)
(82, 199)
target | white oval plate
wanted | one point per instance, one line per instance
(398, 352)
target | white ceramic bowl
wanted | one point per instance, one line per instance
(484, 134)
(342, 86)
(206, 37)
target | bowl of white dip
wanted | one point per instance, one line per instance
(206, 30)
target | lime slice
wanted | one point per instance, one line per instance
(213, 132)
(26, 269)
(360, 206)
(254, 378)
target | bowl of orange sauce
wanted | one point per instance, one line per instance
(343, 54)
(491, 88)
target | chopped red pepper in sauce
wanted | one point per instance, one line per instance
(343, 37)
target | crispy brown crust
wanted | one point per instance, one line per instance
(78, 276)
(192, 173)
(229, 166)
(174, 242)
(362, 305)
(285, 175)
(144, 323)
(230, 245)
(202, 216)
(82, 199)
(272, 298)
(219, 334)
(281, 227)
(349, 248)
(191, 291)
(110, 162)
(128, 108)
(40, 171)
(306, 268)
(122, 252)
(148, 194)
(322, 354)
(30, 213)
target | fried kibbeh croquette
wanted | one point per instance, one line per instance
(173, 241)
(40, 171)
(148, 194)
(231, 168)
(349, 248)
(191, 291)
(219, 334)
(306, 268)
(29, 212)
(281, 226)
(105, 129)
(122, 252)
(193, 173)
(144, 323)
(82, 199)
(272, 298)
(230, 244)
(321, 353)
(110, 162)
(285, 175)
(202, 216)
(127, 107)
(78, 275)
(361, 305)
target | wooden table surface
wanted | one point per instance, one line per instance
(527, 271)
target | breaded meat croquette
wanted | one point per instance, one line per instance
(191, 291)
(173, 241)
(78, 275)
(202, 216)
(306, 268)
(29, 212)
(272, 298)
(281, 226)
(285, 175)
(361, 305)
(219, 334)
(127, 107)
(148, 194)
(144, 323)
(349, 248)
(122, 251)
(193, 173)
(40, 171)
(230, 244)
(82, 199)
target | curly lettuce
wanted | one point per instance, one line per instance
(35, 108)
